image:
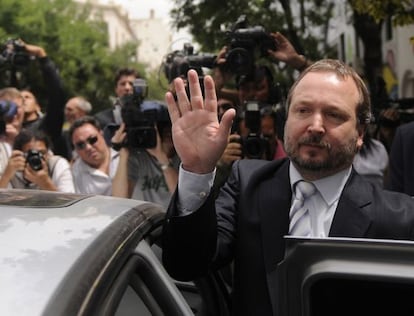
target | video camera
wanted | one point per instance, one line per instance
(246, 44)
(177, 63)
(141, 116)
(13, 53)
(254, 145)
(8, 110)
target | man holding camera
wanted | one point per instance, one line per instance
(258, 129)
(124, 85)
(12, 113)
(147, 170)
(51, 122)
(32, 166)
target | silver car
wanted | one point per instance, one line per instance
(68, 254)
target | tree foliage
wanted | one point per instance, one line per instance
(304, 22)
(77, 45)
(368, 19)
(402, 11)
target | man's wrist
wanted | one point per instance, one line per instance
(165, 166)
(116, 146)
(303, 64)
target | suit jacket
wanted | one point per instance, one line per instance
(401, 168)
(249, 220)
(105, 117)
(107, 121)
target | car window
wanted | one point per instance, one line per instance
(132, 304)
(142, 287)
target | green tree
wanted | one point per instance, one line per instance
(77, 45)
(402, 11)
(304, 22)
(369, 17)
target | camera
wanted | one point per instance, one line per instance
(254, 145)
(13, 53)
(177, 63)
(246, 44)
(34, 159)
(141, 116)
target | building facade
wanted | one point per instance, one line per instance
(155, 40)
(397, 51)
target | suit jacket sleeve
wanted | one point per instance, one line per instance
(189, 242)
(205, 239)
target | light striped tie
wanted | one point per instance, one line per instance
(299, 213)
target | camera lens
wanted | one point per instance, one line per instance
(253, 147)
(34, 159)
(239, 61)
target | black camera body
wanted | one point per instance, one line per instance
(254, 145)
(246, 44)
(34, 159)
(141, 117)
(13, 53)
(177, 63)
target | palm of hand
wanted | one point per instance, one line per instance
(197, 140)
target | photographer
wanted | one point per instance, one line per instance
(32, 166)
(11, 118)
(148, 173)
(262, 144)
(14, 124)
(107, 118)
(51, 122)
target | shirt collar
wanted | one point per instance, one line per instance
(328, 187)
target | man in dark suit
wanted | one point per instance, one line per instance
(400, 176)
(327, 115)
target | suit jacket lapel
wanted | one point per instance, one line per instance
(273, 200)
(352, 217)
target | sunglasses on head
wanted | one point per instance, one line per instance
(90, 140)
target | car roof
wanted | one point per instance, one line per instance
(42, 236)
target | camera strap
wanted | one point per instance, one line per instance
(51, 164)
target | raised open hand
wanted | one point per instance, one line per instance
(198, 137)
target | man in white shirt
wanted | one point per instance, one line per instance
(96, 162)
(33, 166)
(328, 109)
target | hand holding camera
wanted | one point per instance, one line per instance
(36, 170)
(34, 159)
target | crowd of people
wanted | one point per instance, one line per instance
(91, 144)
(63, 146)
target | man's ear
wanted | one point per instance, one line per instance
(362, 129)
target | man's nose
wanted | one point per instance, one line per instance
(316, 124)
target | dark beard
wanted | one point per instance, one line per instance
(337, 160)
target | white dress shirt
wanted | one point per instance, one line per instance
(323, 203)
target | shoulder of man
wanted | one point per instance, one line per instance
(105, 117)
(252, 171)
(53, 161)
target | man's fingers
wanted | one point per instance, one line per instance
(226, 122)
(173, 109)
(196, 96)
(210, 94)
(182, 98)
